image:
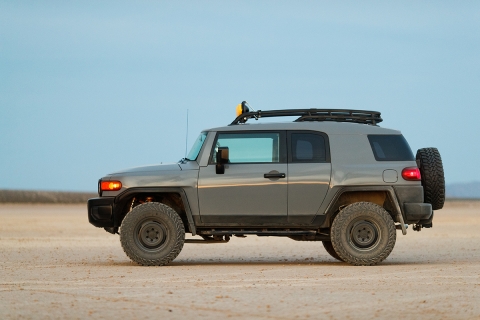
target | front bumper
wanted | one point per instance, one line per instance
(100, 212)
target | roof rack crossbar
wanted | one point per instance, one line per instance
(339, 115)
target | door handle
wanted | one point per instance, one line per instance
(274, 175)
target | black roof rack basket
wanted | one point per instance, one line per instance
(339, 115)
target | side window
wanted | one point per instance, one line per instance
(249, 147)
(390, 148)
(308, 147)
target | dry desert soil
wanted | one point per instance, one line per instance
(55, 265)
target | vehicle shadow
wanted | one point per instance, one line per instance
(271, 262)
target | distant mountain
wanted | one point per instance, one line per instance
(463, 190)
(32, 196)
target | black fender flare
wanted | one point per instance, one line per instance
(120, 201)
(330, 210)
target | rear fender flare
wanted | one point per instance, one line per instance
(399, 214)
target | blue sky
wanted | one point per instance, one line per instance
(88, 87)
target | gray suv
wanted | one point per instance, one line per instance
(331, 175)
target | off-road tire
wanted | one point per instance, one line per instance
(152, 234)
(331, 251)
(433, 180)
(363, 234)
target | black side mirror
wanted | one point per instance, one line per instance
(222, 158)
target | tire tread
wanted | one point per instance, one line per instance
(340, 222)
(433, 179)
(331, 250)
(129, 223)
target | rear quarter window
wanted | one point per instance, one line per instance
(390, 147)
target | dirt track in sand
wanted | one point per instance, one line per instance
(53, 264)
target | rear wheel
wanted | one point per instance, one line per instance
(433, 180)
(331, 251)
(152, 234)
(363, 234)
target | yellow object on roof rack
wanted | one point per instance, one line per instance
(242, 108)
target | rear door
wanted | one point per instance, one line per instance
(253, 189)
(309, 171)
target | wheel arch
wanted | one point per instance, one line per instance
(363, 234)
(175, 198)
(383, 196)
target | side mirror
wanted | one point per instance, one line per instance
(222, 158)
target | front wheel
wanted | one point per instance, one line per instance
(363, 234)
(152, 234)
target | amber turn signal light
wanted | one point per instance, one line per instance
(110, 185)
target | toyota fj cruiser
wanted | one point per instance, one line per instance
(331, 175)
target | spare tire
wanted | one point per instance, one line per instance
(433, 181)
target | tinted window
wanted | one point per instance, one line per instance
(390, 148)
(308, 147)
(250, 147)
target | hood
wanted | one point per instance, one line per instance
(152, 168)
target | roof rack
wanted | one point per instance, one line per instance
(339, 115)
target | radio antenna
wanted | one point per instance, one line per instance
(186, 138)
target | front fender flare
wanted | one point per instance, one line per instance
(120, 199)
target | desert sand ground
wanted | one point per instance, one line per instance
(54, 264)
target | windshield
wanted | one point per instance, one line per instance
(193, 154)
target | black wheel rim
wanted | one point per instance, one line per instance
(151, 235)
(363, 234)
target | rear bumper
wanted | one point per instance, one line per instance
(415, 212)
(100, 212)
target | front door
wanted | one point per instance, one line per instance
(252, 191)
